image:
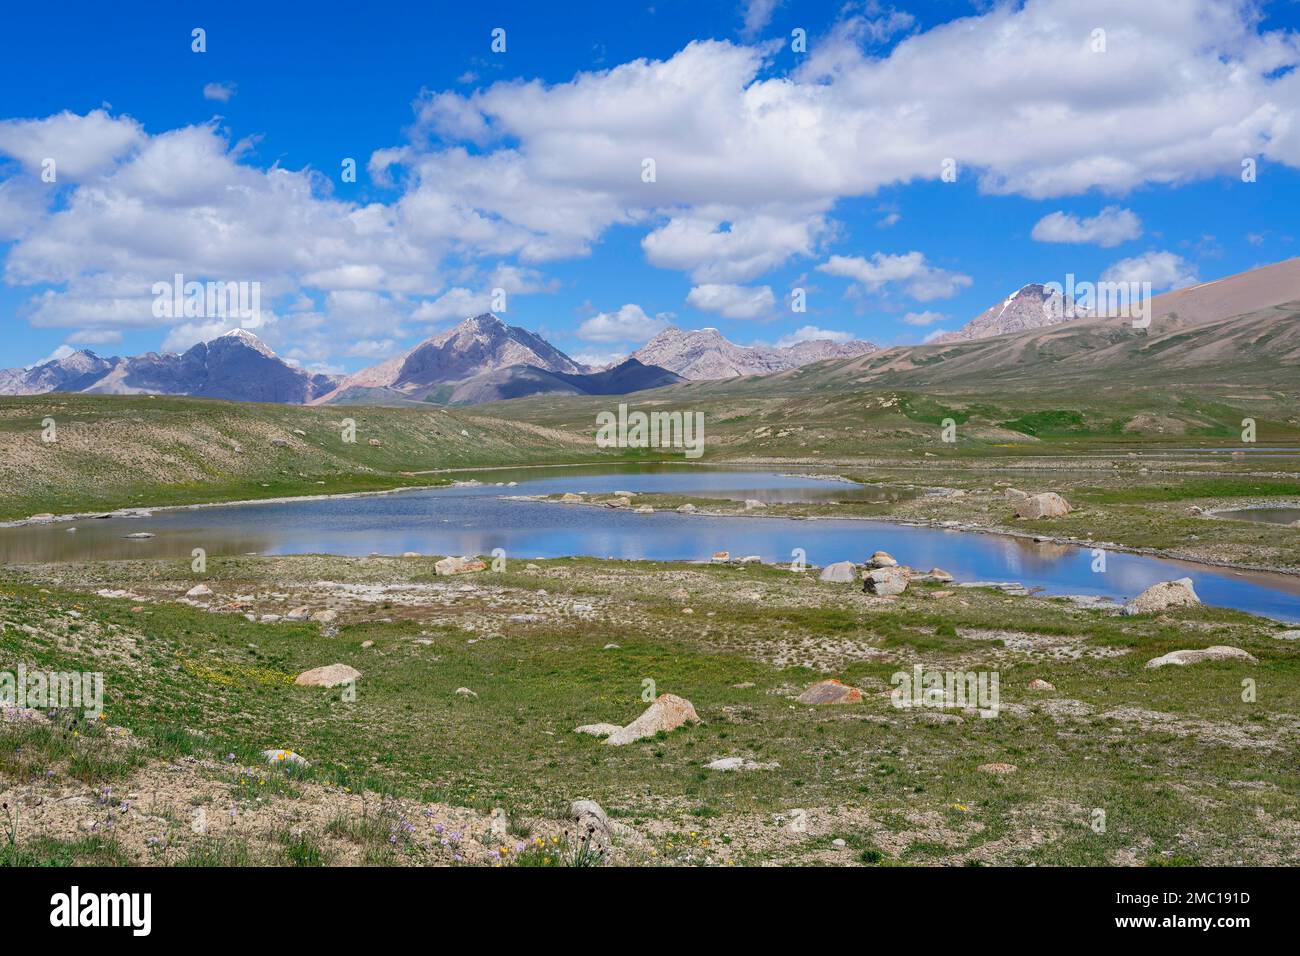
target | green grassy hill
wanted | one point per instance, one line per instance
(117, 451)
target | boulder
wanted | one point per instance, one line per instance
(885, 581)
(598, 730)
(462, 565)
(199, 590)
(331, 675)
(686, 509)
(326, 616)
(1046, 505)
(1219, 652)
(569, 496)
(1014, 494)
(753, 503)
(740, 763)
(841, 572)
(1039, 684)
(138, 535)
(465, 692)
(298, 614)
(938, 575)
(882, 559)
(666, 714)
(1164, 595)
(643, 510)
(590, 822)
(721, 557)
(830, 692)
(277, 756)
(1287, 636)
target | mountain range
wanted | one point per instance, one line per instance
(705, 354)
(237, 366)
(1245, 327)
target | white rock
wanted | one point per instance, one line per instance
(331, 675)
(885, 581)
(1046, 505)
(666, 714)
(1219, 652)
(739, 763)
(598, 730)
(1164, 595)
(199, 590)
(841, 572)
(275, 756)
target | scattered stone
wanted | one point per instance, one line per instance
(998, 768)
(798, 821)
(740, 763)
(598, 730)
(1046, 505)
(1164, 595)
(643, 510)
(625, 494)
(412, 554)
(499, 824)
(276, 756)
(841, 572)
(199, 590)
(1287, 636)
(1014, 494)
(462, 565)
(666, 714)
(1219, 652)
(882, 559)
(331, 675)
(830, 692)
(1039, 684)
(885, 581)
(680, 594)
(591, 822)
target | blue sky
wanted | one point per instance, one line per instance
(1115, 154)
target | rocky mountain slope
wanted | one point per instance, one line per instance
(1030, 307)
(478, 345)
(706, 354)
(517, 381)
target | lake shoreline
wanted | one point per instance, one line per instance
(140, 511)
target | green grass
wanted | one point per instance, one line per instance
(409, 734)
